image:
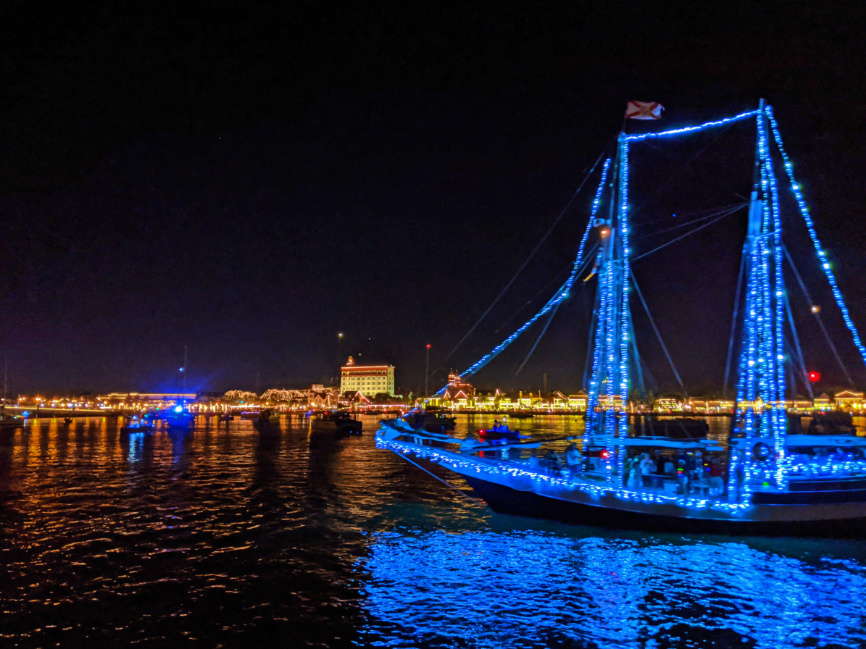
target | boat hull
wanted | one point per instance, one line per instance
(506, 500)
(338, 427)
(136, 429)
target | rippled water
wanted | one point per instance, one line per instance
(229, 537)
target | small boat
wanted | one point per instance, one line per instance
(8, 421)
(500, 431)
(138, 424)
(178, 418)
(226, 417)
(432, 420)
(67, 420)
(337, 422)
(268, 419)
(521, 415)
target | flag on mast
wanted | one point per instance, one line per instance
(644, 110)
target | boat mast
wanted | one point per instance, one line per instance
(760, 397)
(607, 405)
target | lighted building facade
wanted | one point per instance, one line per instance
(849, 400)
(137, 400)
(458, 388)
(367, 379)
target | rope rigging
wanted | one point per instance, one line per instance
(733, 325)
(722, 214)
(531, 254)
(818, 319)
(561, 293)
(760, 278)
(656, 330)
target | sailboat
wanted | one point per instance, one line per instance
(761, 477)
(179, 417)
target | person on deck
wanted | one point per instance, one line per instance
(634, 479)
(658, 478)
(669, 467)
(573, 459)
(551, 462)
(682, 478)
(646, 469)
(716, 485)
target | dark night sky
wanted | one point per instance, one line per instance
(249, 179)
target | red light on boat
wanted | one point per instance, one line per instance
(814, 377)
(605, 455)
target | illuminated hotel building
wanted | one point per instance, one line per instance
(369, 380)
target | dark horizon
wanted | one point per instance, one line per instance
(249, 182)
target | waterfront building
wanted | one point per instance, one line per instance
(136, 400)
(355, 398)
(577, 401)
(369, 379)
(317, 396)
(666, 404)
(720, 405)
(822, 402)
(849, 400)
(697, 405)
(506, 403)
(799, 406)
(486, 401)
(457, 388)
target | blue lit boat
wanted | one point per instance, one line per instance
(178, 418)
(138, 423)
(756, 478)
(821, 498)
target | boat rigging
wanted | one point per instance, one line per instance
(763, 477)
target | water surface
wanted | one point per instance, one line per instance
(231, 537)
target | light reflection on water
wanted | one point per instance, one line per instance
(289, 538)
(530, 588)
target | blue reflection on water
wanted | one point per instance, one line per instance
(535, 588)
(136, 444)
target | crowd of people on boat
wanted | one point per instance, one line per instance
(683, 472)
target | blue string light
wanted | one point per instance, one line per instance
(778, 409)
(595, 380)
(822, 256)
(603, 416)
(692, 129)
(515, 473)
(761, 385)
(560, 295)
(625, 320)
